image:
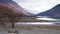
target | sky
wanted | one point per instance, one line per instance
(37, 6)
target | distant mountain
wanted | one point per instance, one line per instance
(53, 13)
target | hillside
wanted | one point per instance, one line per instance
(53, 13)
(9, 12)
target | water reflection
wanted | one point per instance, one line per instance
(37, 23)
(46, 18)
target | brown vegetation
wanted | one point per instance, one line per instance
(8, 13)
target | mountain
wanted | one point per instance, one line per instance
(11, 10)
(52, 13)
(14, 6)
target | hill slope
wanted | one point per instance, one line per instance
(53, 13)
(10, 10)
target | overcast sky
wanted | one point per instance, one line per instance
(37, 5)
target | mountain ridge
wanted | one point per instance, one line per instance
(13, 6)
(53, 13)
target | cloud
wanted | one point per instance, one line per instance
(38, 5)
